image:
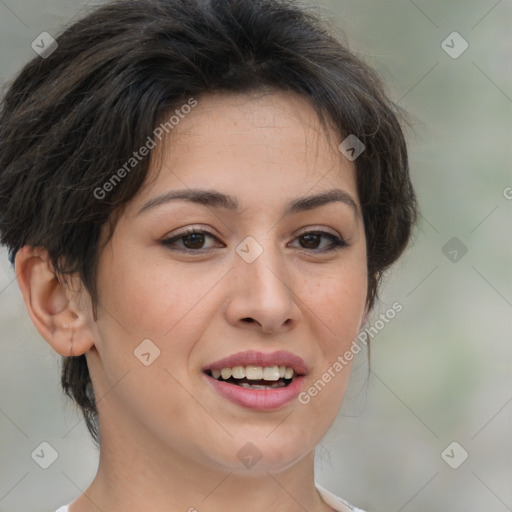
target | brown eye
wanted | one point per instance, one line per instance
(313, 241)
(193, 241)
(189, 241)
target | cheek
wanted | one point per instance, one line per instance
(338, 312)
(338, 301)
(151, 299)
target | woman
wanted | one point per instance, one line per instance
(200, 199)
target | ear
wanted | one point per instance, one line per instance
(54, 309)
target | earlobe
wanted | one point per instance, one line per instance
(52, 307)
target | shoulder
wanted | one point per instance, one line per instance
(63, 509)
(338, 504)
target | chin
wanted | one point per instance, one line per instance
(260, 451)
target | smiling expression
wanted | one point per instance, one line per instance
(248, 242)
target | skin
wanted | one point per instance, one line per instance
(169, 441)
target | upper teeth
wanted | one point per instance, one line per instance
(254, 372)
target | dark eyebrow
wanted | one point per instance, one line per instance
(215, 199)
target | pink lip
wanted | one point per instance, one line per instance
(252, 357)
(259, 399)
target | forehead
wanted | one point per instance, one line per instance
(262, 146)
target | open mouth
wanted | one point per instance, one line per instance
(255, 377)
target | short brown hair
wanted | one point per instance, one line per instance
(70, 120)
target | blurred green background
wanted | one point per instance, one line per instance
(441, 370)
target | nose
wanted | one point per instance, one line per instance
(262, 295)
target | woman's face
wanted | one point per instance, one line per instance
(262, 284)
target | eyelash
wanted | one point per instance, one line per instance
(336, 242)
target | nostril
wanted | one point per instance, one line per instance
(248, 320)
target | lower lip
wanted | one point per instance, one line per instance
(258, 399)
